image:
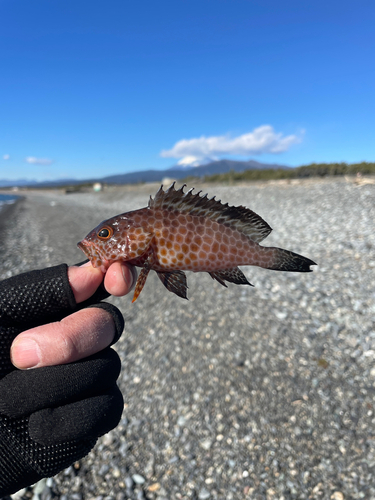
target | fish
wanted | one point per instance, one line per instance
(184, 231)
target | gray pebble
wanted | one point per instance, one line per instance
(203, 494)
(138, 479)
(129, 482)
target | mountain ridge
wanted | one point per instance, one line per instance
(152, 175)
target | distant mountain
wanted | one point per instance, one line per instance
(5, 183)
(19, 182)
(176, 172)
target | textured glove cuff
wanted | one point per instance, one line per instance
(23, 462)
(15, 473)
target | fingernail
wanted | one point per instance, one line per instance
(25, 353)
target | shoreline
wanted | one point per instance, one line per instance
(154, 186)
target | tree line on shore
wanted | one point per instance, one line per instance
(302, 172)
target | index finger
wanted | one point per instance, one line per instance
(84, 280)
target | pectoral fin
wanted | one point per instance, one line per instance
(141, 280)
(234, 275)
(174, 282)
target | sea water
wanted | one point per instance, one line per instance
(7, 199)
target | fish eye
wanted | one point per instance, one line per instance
(105, 233)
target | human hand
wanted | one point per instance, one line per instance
(68, 340)
(52, 416)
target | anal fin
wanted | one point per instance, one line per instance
(174, 281)
(234, 275)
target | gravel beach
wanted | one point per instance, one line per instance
(238, 393)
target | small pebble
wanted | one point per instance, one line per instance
(203, 494)
(138, 479)
(337, 495)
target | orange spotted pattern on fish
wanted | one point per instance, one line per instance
(179, 232)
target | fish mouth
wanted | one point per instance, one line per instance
(84, 247)
(91, 252)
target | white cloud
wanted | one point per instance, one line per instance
(261, 140)
(6, 157)
(38, 161)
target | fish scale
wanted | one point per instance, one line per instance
(181, 231)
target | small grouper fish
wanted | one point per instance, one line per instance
(181, 231)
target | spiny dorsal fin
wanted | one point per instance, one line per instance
(241, 218)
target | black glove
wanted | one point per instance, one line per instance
(51, 416)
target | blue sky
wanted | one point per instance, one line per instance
(92, 88)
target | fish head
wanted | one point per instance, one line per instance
(107, 242)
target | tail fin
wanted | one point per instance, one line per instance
(284, 260)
